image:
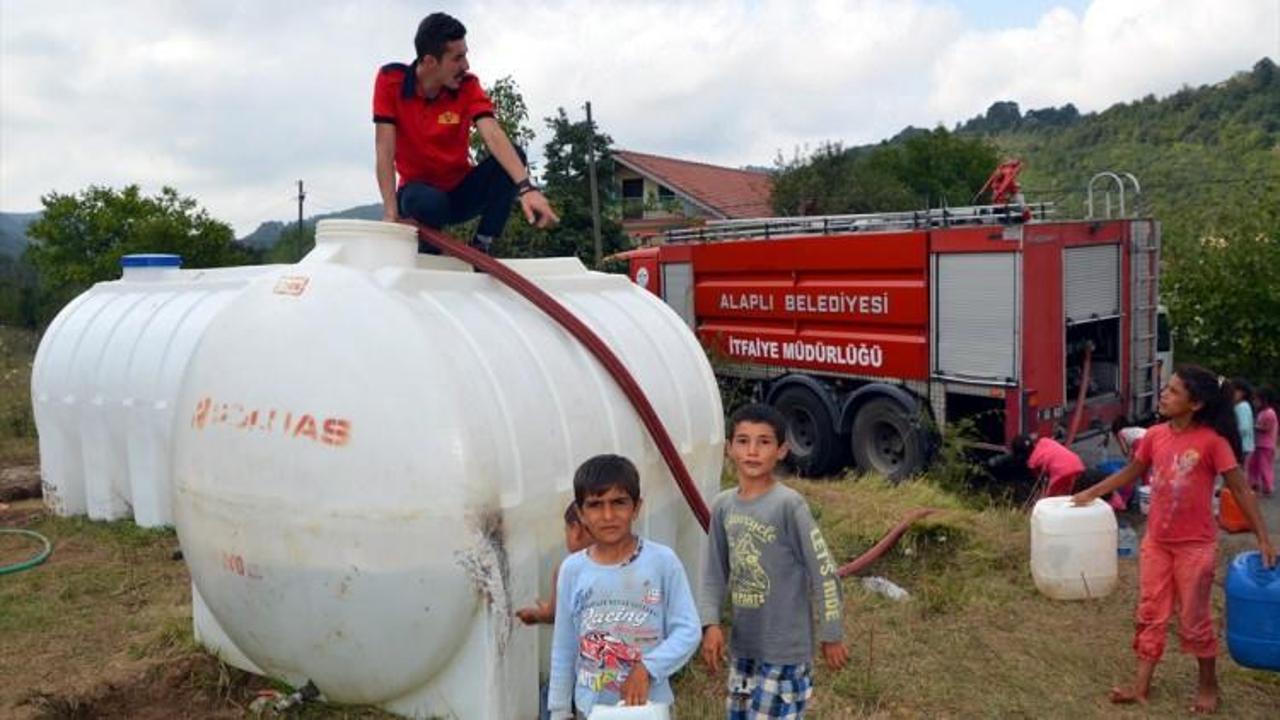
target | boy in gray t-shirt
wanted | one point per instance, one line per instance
(766, 553)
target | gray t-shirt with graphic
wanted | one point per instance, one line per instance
(768, 555)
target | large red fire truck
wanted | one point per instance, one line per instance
(872, 332)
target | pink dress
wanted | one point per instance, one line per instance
(1177, 556)
(1261, 465)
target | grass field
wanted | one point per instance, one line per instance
(17, 424)
(103, 628)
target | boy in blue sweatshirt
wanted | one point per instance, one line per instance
(625, 617)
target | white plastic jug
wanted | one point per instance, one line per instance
(1073, 549)
(373, 454)
(648, 711)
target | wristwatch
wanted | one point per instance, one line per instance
(525, 186)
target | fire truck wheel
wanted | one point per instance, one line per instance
(811, 438)
(885, 440)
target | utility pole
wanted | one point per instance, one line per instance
(595, 195)
(297, 242)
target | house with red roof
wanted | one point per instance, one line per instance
(660, 193)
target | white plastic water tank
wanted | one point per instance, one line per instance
(1073, 549)
(104, 380)
(376, 454)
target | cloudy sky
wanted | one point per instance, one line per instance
(233, 101)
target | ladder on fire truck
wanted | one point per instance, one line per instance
(776, 227)
(1144, 263)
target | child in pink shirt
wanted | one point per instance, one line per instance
(1177, 561)
(1048, 458)
(1262, 462)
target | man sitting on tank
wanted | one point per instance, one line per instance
(423, 113)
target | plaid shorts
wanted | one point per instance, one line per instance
(759, 690)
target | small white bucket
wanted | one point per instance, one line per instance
(648, 711)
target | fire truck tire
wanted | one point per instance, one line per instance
(811, 437)
(886, 441)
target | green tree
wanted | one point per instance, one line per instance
(567, 186)
(1221, 289)
(80, 238)
(17, 292)
(919, 168)
(942, 168)
(512, 115)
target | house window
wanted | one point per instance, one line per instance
(632, 198)
(665, 193)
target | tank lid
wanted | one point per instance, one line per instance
(160, 260)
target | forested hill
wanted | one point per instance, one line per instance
(1201, 154)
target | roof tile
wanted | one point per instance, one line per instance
(730, 192)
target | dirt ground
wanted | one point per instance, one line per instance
(102, 629)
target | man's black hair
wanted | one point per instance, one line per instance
(760, 413)
(435, 32)
(597, 475)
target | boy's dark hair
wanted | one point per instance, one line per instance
(1217, 400)
(1021, 446)
(1246, 389)
(598, 474)
(1121, 422)
(435, 32)
(1267, 396)
(571, 516)
(760, 413)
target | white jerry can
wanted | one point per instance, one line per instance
(373, 453)
(1073, 549)
(104, 381)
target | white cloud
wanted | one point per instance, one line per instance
(233, 102)
(1119, 50)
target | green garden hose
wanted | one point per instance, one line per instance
(35, 559)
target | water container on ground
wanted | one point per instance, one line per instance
(1127, 541)
(1110, 467)
(1073, 549)
(1253, 612)
(649, 711)
(104, 381)
(373, 456)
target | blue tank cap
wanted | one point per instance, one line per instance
(160, 260)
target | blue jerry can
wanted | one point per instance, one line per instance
(1253, 612)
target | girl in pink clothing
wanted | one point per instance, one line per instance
(1177, 557)
(1262, 463)
(1048, 458)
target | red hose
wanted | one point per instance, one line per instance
(861, 562)
(1081, 394)
(593, 343)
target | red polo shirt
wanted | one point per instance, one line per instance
(432, 136)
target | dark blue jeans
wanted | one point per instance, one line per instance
(486, 192)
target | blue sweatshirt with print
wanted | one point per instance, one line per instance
(608, 617)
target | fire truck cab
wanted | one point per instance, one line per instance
(871, 333)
